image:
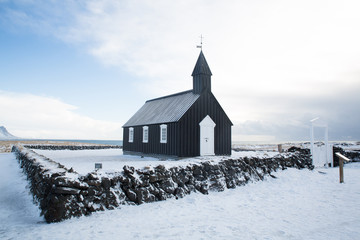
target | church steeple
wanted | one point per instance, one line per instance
(201, 75)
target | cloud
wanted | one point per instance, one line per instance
(258, 42)
(288, 117)
(276, 64)
(31, 116)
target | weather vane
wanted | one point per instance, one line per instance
(201, 42)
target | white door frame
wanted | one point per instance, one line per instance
(321, 156)
(207, 137)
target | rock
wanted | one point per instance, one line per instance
(204, 189)
(160, 168)
(128, 170)
(54, 199)
(57, 174)
(161, 195)
(131, 195)
(197, 171)
(106, 183)
(143, 195)
(92, 176)
(168, 186)
(160, 176)
(217, 184)
(91, 192)
(94, 183)
(230, 184)
(180, 192)
(66, 190)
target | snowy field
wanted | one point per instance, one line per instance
(113, 160)
(298, 204)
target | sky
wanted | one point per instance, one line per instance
(81, 69)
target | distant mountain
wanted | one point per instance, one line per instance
(5, 135)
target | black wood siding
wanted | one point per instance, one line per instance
(183, 137)
(153, 146)
(190, 129)
(201, 82)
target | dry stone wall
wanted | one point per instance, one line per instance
(71, 147)
(353, 155)
(61, 193)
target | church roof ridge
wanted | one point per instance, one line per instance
(171, 95)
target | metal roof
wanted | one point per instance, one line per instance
(164, 109)
(201, 66)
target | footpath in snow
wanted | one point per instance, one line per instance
(298, 204)
(16, 204)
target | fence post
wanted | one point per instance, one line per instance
(341, 170)
(342, 158)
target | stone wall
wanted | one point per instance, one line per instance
(62, 194)
(353, 155)
(71, 147)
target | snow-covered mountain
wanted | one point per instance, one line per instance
(5, 135)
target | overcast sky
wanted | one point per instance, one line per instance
(81, 69)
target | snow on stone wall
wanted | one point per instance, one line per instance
(70, 147)
(62, 193)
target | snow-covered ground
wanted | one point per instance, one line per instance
(113, 160)
(298, 204)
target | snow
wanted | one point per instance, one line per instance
(5, 135)
(16, 207)
(298, 204)
(113, 160)
(51, 166)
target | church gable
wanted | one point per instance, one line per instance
(206, 105)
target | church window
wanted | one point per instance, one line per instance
(163, 133)
(145, 134)
(131, 135)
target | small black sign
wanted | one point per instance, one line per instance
(98, 165)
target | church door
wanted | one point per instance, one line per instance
(207, 127)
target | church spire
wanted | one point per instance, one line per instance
(201, 66)
(201, 75)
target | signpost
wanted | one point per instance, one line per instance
(98, 166)
(342, 158)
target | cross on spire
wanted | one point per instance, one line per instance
(201, 42)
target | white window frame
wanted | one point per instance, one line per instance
(131, 134)
(162, 128)
(145, 134)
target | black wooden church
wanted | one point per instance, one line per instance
(185, 124)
